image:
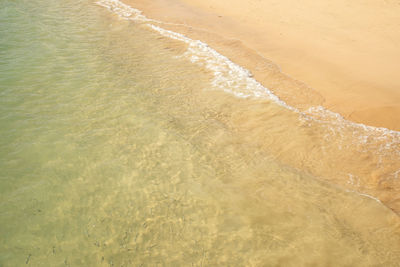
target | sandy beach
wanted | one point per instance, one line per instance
(339, 54)
(132, 133)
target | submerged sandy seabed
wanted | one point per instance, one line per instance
(342, 55)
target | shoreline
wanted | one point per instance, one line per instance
(378, 183)
(235, 37)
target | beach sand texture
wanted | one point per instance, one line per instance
(341, 54)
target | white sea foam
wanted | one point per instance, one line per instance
(236, 80)
(228, 76)
(123, 10)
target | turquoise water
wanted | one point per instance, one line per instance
(116, 150)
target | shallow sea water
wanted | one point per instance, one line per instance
(118, 148)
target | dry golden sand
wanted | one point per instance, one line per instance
(348, 52)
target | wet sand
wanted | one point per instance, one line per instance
(341, 55)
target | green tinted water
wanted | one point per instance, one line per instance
(115, 151)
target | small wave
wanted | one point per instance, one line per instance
(228, 76)
(122, 10)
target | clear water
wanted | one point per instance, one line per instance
(117, 150)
